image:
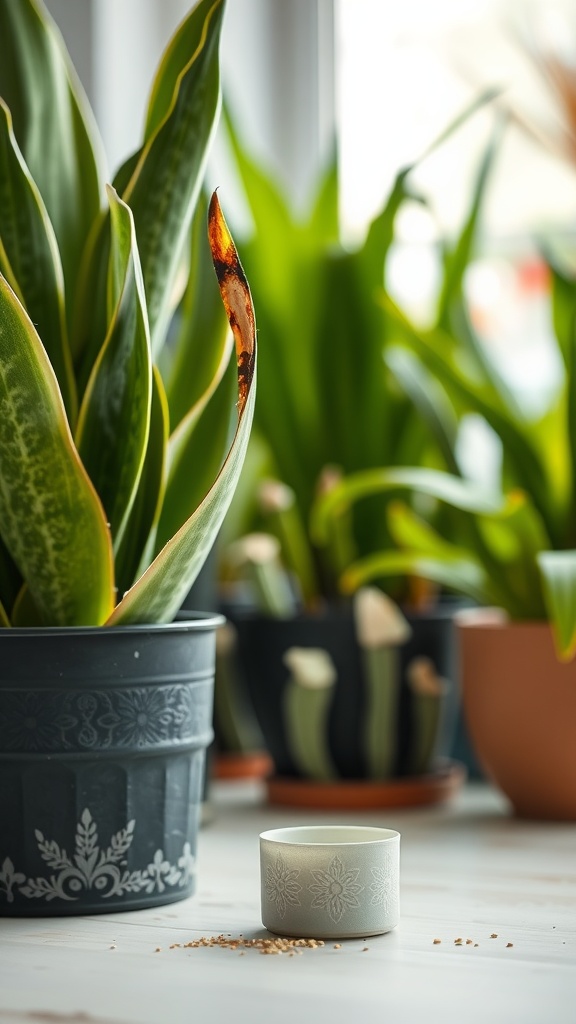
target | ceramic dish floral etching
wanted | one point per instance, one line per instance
(330, 881)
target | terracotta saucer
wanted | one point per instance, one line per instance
(362, 794)
(254, 765)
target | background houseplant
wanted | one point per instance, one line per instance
(331, 403)
(512, 548)
(97, 530)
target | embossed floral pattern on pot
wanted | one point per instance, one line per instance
(281, 885)
(101, 870)
(34, 721)
(384, 888)
(336, 890)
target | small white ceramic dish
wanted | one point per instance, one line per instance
(330, 881)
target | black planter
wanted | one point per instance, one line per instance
(263, 642)
(103, 734)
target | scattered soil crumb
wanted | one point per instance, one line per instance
(158, 949)
(494, 935)
(267, 946)
(337, 945)
(112, 947)
(476, 944)
(436, 942)
(469, 942)
(366, 948)
(509, 945)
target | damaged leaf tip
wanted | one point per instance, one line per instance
(236, 297)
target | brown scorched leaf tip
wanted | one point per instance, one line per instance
(236, 297)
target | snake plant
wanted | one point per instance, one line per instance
(340, 396)
(331, 403)
(124, 416)
(513, 546)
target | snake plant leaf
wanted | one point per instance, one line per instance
(470, 395)
(10, 579)
(25, 610)
(563, 288)
(115, 414)
(453, 316)
(29, 256)
(50, 517)
(429, 397)
(162, 181)
(563, 294)
(324, 217)
(193, 363)
(558, 570)
(133, 556)
(4, 620)
(53, 125)
(463, 494)
(159, 593)
(201, 440)
(413, 534)
(461, 574)
(165, 185)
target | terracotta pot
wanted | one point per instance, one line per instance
(520, 708)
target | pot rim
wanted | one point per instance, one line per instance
(185, 622)
(496, 619)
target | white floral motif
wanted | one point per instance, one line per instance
(336, 890)
(95, 869)
(281, 885)
(9, 878)
(384, 888)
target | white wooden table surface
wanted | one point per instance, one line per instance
(468, 869)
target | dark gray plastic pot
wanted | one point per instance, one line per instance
(103, 734)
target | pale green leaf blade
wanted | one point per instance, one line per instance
(29, 256)
(558, 570)
(159, 593)
(460, 574)
(132, 556)
(54, 126)
(429, 398)
(164, 187)
(52, 521)
(462, 494)
(115, 413)
(470, 395)
(201, 441)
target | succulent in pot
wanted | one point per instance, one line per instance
(100, 539)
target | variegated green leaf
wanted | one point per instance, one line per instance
(159, 593)
(50, 517)
(53, 125)
(29, 257)
(558, 570)
(162, 181)
(115, 413)
(165, 184)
